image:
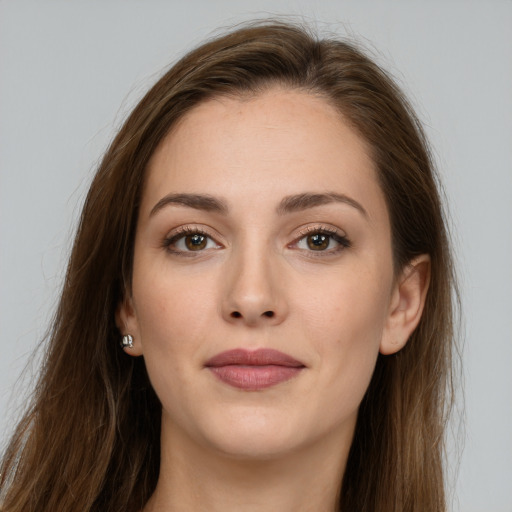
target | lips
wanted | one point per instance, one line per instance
(254, 370)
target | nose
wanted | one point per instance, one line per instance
(254, 291)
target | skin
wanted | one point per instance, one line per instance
(284, 447)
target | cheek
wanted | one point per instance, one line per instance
(345, 324)
(169, 305)
(173, 316)
(350, 308)
(169, 338)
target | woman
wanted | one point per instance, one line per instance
(265, 238)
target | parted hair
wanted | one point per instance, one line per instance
(90, 438)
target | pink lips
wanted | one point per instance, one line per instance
(253, 370)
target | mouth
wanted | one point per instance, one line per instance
(254, 370)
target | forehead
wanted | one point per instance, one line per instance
(279, 142)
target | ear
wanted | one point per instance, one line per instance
(127, 323)
(406, 305)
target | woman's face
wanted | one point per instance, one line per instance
(262, 228)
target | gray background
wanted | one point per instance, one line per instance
(70, 71)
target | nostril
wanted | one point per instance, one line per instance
(237, 314)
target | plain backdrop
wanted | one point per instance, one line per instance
(70, 71)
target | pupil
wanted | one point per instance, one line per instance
(318, 241)
(195, 242)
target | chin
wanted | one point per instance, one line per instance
(256, 447)
(256, 435)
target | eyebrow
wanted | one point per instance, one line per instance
(197, 201)
(300, 202)
(289, 204)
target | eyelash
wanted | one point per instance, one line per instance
(183, 232)
(342, 241)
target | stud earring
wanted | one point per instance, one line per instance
(127, 341)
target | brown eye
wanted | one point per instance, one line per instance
(318, 241)
(322, 241)
(188, 241)
(196, 242)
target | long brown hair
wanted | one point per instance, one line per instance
(90, 439)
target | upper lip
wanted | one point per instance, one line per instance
(259, 357)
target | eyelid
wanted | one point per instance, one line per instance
(182, 231)
(337, 235)
(313, 228)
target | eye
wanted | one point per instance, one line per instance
(322, 240)
(189, 240)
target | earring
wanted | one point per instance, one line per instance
(127, 341)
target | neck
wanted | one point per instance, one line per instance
(307, 480)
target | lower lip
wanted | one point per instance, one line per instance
(253, 378)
